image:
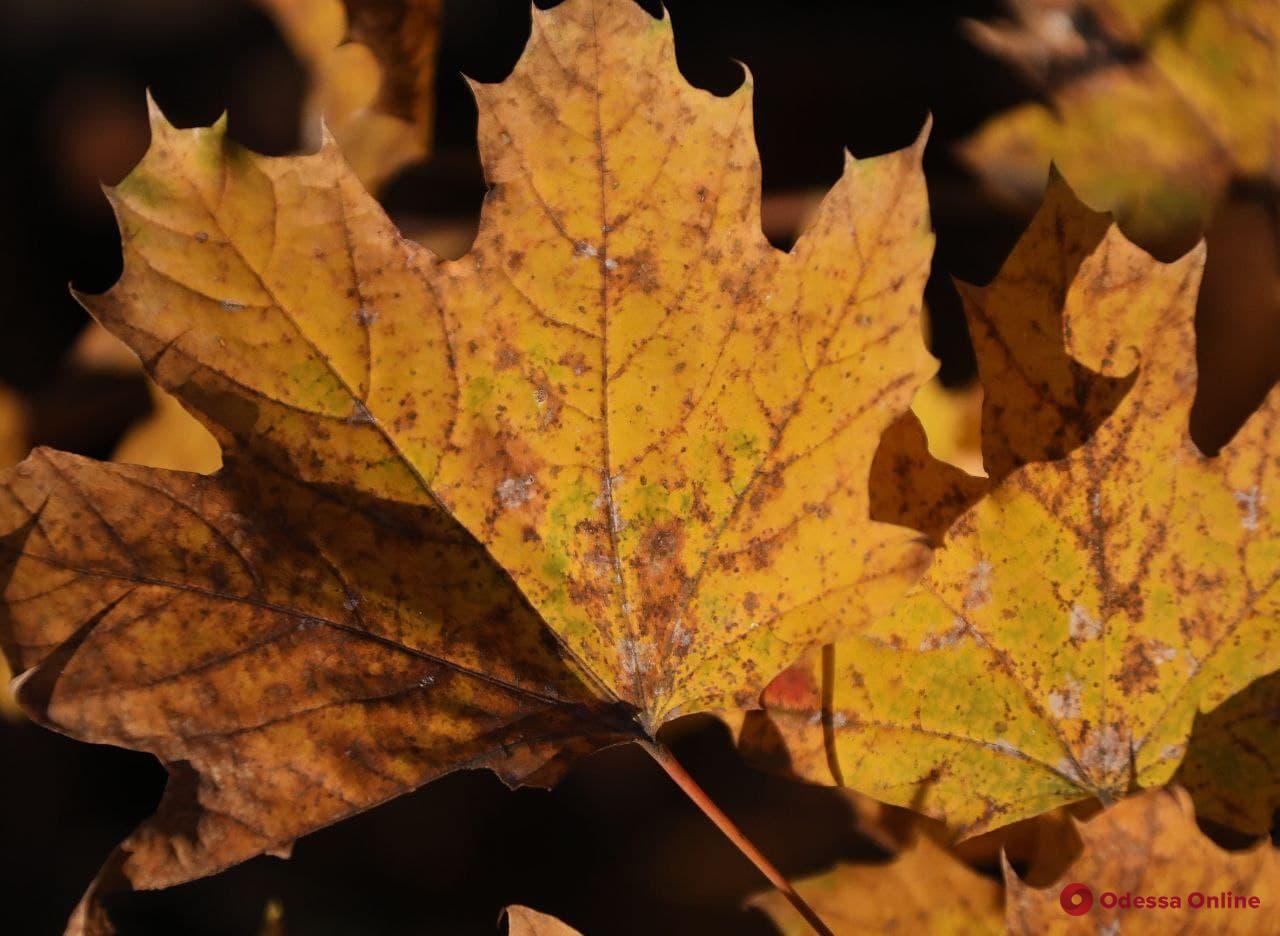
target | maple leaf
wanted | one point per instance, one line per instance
(1038, 402)
(658, 425)
(924, 889)
(372, 65)
(1150, 108)
(654, 428)
(294, 653)
(1078, 616)
(1149, 846)
(521, 921)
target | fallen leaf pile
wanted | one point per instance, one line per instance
(624, 461)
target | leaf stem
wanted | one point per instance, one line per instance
(667, 760)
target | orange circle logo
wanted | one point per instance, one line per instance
(1076, 899)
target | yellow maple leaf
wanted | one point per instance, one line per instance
(663, 429)
(924, 889)
(659, 425)
(1144, 849)
(372, 64)
(1078, 616)
(1150, 107)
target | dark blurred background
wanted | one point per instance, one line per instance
(616, 848)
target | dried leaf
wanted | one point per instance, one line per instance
(1042, 395)
(925, 889)
(1076, 618)
(1148, 847)
(521, 921)
(98, 351)
(892, 828)
(658, 425)
(373, 66)
(294, 653)
(1048, 843)
(1150, 108)
(912, 487)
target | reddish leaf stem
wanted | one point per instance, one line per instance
(699, 796)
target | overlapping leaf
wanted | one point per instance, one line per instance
(1149, 846)
(659, 426)
(1038, 402)
(654, 420)
(373, 68)
(294, 652)
(169, 438)
(1077, 618)
(924, 890)
(1150, 108)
